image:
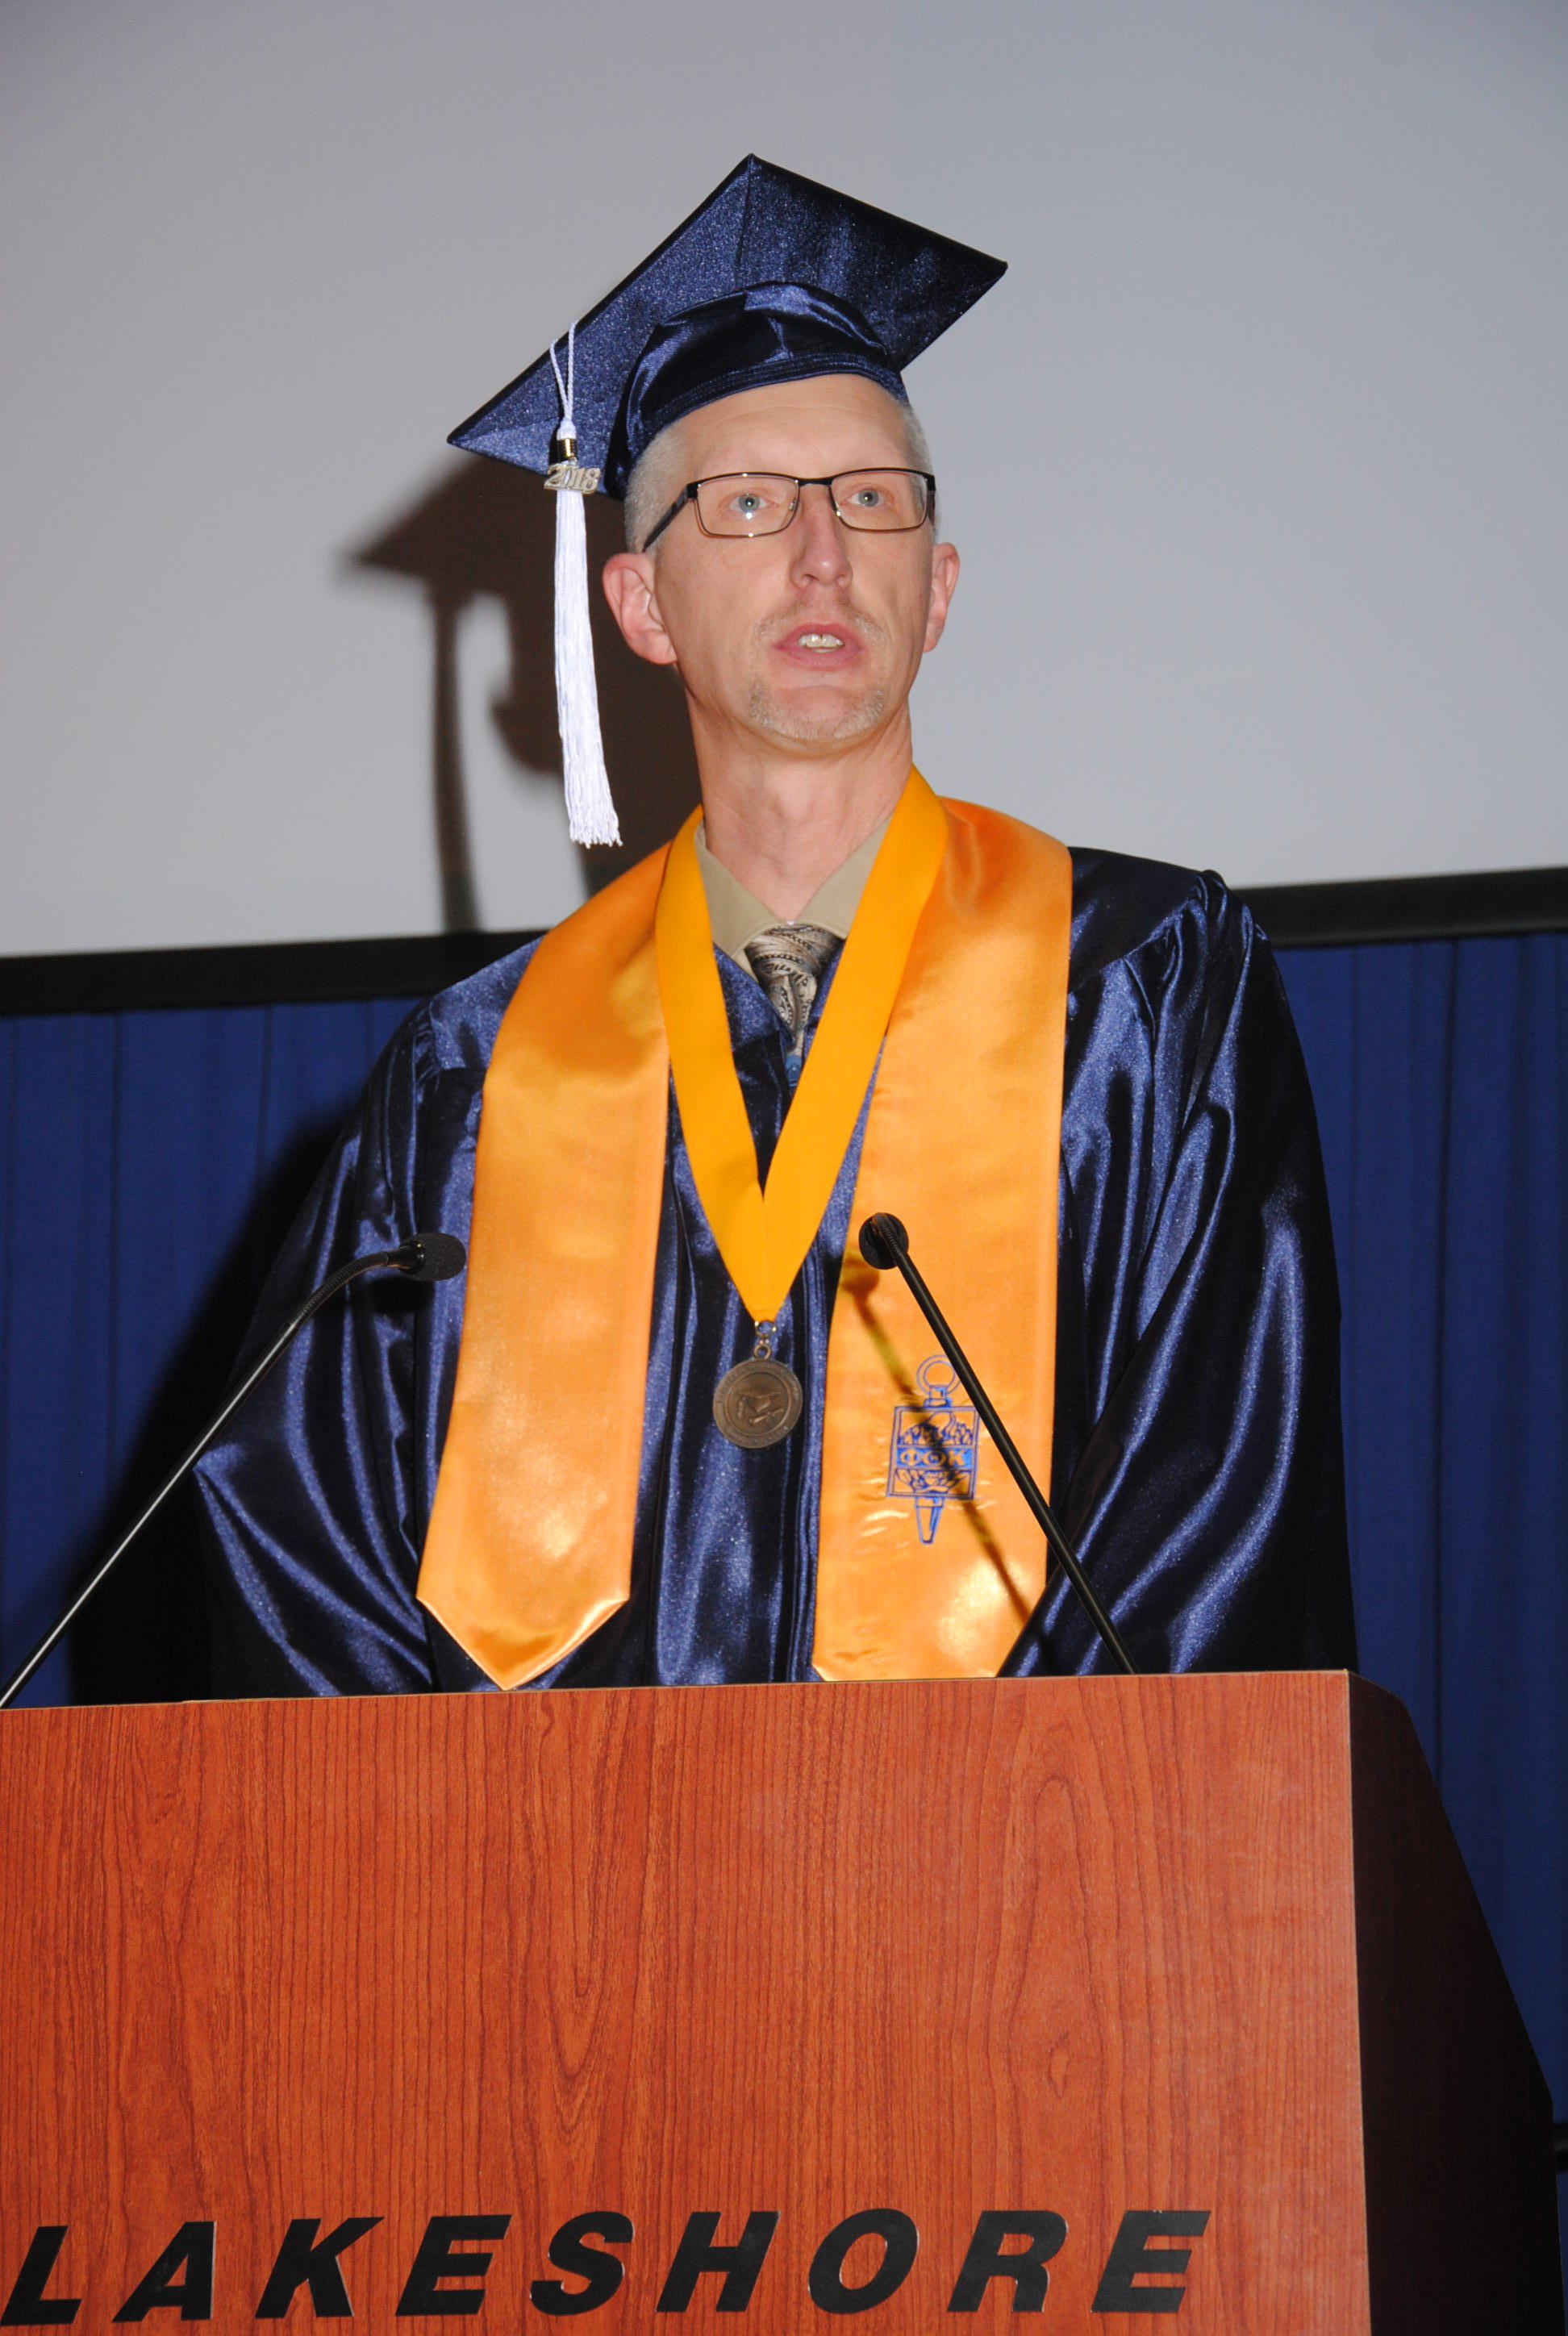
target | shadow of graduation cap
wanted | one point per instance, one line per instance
(772, 279)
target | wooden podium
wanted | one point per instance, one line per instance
(924, 2004)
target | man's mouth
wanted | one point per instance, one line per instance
(821, 644)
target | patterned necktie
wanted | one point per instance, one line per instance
(788, 961)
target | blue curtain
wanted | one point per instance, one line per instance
(1441, 1074)
(152, 1162)
(153, 1159)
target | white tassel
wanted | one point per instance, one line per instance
(589, 807)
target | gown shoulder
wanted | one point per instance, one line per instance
(1126, 908)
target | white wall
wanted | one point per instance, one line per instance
(1280, 374)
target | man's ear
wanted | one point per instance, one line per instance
(629, 587)
(944, 583)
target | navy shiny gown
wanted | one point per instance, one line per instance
(1196, 1458)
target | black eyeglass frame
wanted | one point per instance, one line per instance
(688, 495)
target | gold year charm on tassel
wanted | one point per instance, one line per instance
(759, 1401)
(573, 478)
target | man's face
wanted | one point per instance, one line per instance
(806, 641)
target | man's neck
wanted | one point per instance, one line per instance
(782, 826)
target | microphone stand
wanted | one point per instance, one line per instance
(884, 1244)
(427, 1257)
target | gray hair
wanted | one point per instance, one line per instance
(652, 487)
(655, 484)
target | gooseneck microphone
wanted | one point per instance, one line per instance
(885, 1246)
(426, 1257)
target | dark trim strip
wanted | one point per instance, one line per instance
(1412, 908)
(268, 973)
(286, 973)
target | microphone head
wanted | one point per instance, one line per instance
(881, 1238)
(430, 1257)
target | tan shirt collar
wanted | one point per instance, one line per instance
(737, 916)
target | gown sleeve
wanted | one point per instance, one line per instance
(1198, 1462)
(315, 1502)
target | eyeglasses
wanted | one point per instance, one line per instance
(763, 502)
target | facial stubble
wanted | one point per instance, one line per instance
(795, 720)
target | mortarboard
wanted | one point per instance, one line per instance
(773, 279)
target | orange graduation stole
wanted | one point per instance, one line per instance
(929, 1563)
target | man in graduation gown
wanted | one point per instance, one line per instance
(669, 1426)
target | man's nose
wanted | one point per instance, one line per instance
(820, 550)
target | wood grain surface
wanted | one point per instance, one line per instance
(1085, 1947)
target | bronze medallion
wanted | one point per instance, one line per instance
(757, 1403)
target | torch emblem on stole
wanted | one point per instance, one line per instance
(935, 1449)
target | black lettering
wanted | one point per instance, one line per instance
(899, 2238)
(191, 2250)
(1132, 2253)
(603, 2272)
(440, 2257)
(1025, 2266)
(305, 2261)
(697, 2255)
(27, 2306)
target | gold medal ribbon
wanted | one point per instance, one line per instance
(764, 1234)
(529, 1542)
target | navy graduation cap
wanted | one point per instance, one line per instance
(774, 278)
(771, 279)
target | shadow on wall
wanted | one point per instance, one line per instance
(489, 528)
